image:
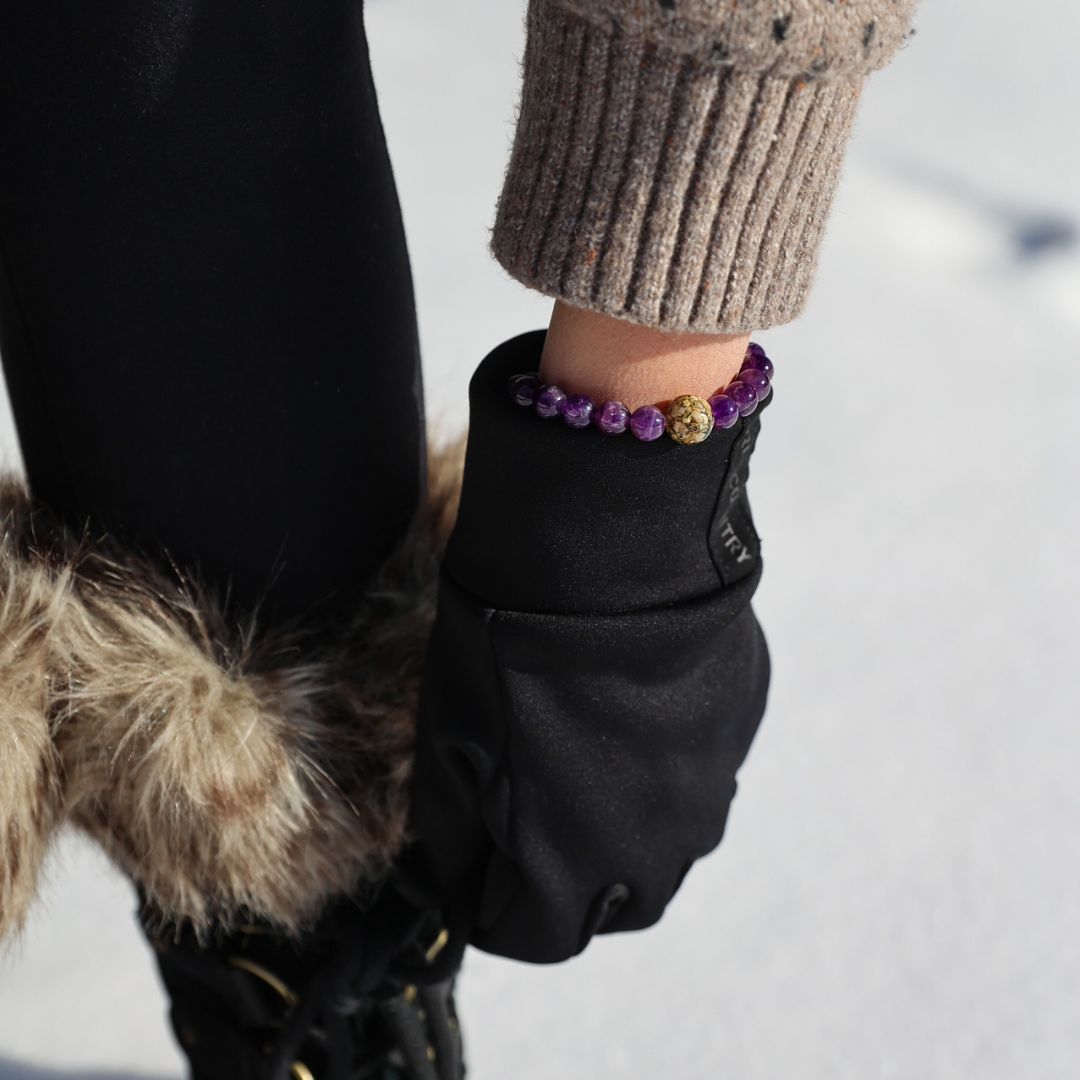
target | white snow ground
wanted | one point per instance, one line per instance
(895, 896)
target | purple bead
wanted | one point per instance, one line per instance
(576, 410)
(754, 349)
(758, 380)
(724, 410)
(758, 362)
(611, 417)
(548, 400)
(744, 395)
(522, 388)
(647, 422)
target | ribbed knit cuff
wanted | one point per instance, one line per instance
(664, 188)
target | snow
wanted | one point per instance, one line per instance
(895, 895)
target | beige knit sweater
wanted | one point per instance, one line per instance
(675, 160)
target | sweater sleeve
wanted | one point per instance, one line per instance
(675, 160)
(594, 677)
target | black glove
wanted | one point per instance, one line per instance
(594, 677)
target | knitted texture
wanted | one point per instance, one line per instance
(674, 161)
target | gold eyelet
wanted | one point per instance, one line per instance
(430, 1055)
(299, 1071)
(437, 945)
(409, 993)
(288, 996)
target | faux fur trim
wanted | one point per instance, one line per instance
(230, 771)
(30, 791)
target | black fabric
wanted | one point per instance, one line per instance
(205, 307)
(248, 1004)
(205, 294)
(595, 675)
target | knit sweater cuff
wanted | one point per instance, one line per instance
(667, 188)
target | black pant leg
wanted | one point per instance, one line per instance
(206, 311)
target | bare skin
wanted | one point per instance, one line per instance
(586, 352)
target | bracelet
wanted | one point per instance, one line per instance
(687, 418)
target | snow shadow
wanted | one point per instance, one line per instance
(20, 1070)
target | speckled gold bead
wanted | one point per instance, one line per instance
(689, 419)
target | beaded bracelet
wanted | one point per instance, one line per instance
(687, 418)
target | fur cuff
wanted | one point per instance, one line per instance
(229, 770)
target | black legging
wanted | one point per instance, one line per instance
(206, 310)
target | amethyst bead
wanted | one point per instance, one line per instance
(741, 397)
(577, 410)
(744, 395)
(758, 380)
(724, 409)
(611, 418)
(758, 362)
(549, 398)
(647, 423)
(523, 388)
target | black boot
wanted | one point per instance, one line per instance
(363, 996)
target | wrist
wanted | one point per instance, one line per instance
(610, 359)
